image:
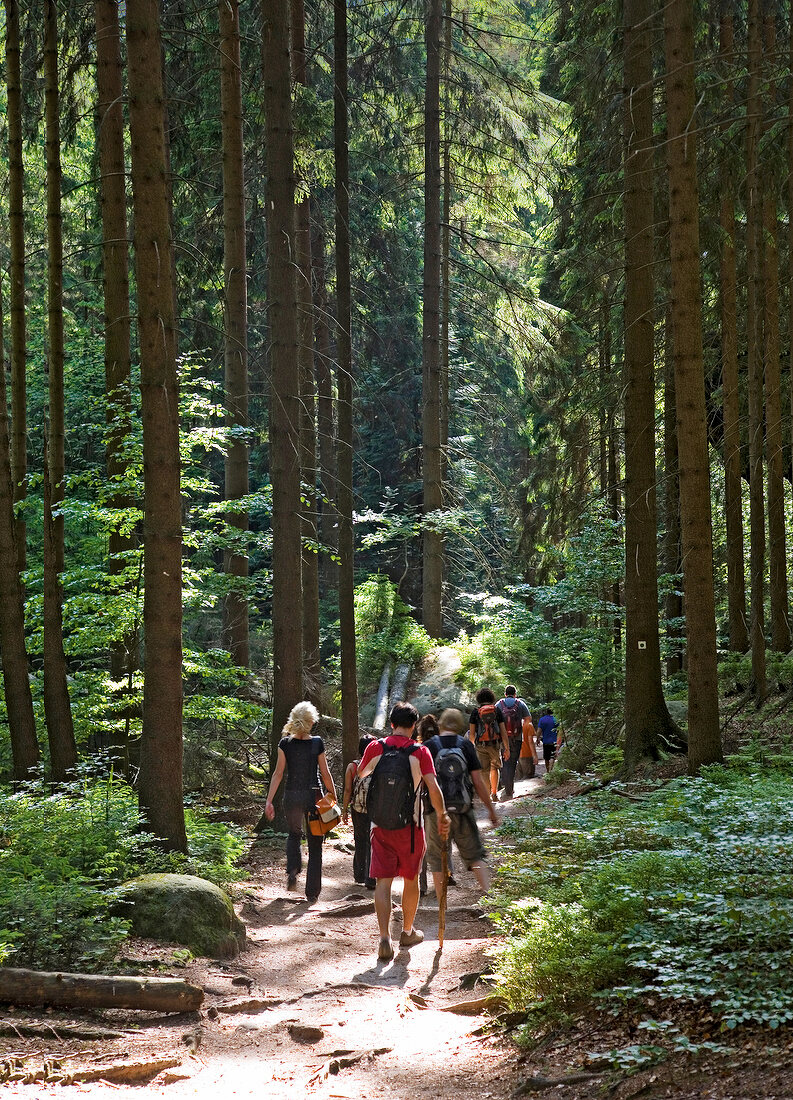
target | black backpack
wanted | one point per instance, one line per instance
(391, 797)
(453, 777)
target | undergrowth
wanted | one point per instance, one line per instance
(683, 897)
(63, 853)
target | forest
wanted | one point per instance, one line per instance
(340, 335)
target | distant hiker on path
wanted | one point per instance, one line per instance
(487, 731)
(399, 767)
(426, 727)
(302, 757)
(517, 718)
(354, 798)
(458, 771)
(547, 727)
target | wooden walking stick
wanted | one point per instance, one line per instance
(444, 891)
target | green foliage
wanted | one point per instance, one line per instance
(687, 897)
(385, 629)
(63, 852)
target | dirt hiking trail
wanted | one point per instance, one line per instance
(307, 1009)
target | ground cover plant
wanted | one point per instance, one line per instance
(679, 896)
(63, 852)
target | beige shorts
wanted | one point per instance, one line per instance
(463, 830)
(489, 753)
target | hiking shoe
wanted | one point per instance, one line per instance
(451, 881)
(385, 951)
(410, 939)
(311, 900)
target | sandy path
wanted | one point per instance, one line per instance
(321, 963)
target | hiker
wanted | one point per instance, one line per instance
(517, 718)
(302, 757)
(527, 761)
(458, 770)
(355, 793)
(487, 731)
(547, 729)
(399, 767)
(426, 727)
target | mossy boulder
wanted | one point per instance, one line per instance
(183, 909)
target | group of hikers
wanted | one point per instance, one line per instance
(410, 794)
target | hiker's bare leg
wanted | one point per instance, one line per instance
(482, 874)
(382, 905)
(410, 902)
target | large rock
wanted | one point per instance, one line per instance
(183, 909)
(437, 688)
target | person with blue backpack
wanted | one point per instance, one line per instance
(399, 768)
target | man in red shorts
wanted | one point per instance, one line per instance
(398, 852)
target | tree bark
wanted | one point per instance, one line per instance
(754, 354)
(308, 434)
(16, 685)
(326, 432)
(285, 365)
(446, 289)
(115, 277)
(235, 337)
(40, 987)
(736, 583)
(431, 393)
(647, 719)
(672, 556)
(16, 231)
(777, 555)
(160, 782)
(57, 707)
(704, 735)
(344, 402)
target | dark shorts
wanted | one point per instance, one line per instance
(391, 854)
(548, 752)
(465, 834)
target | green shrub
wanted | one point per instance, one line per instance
(684, 897)
(62, 854)
(385, 629)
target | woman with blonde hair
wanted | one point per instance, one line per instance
(301, 755)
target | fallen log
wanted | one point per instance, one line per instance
(56, 1031)
(124, 1073)
(400, 684)
(38, 987)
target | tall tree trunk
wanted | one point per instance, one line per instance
(431, 428)
(326, 432)
(754, 354)
(704, 736)
(308, 435)
(647, 719)
(235, 338)
(16, 685)
(57, 428)
(285, 363)
(446, 288)
(160, 783)
(16, 229)
(115, 275)
(349, 683)
(736, 585)
(57, 709)
(777, 556)
(672, 557)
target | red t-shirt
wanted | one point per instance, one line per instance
(422, 753)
